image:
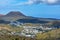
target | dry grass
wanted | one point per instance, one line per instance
(10, 28)
(54, 34)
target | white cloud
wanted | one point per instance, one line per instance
(28, 2)
(51, 2)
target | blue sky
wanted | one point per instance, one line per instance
(49, 9)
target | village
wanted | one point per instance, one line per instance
(30, 31)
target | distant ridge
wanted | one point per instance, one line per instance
(18, 16)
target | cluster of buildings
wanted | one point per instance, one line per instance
(31, 31)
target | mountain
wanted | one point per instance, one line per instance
(18, 16)
(13, 16)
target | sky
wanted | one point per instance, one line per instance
(35, 8)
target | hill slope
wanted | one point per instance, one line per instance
(12, 16)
